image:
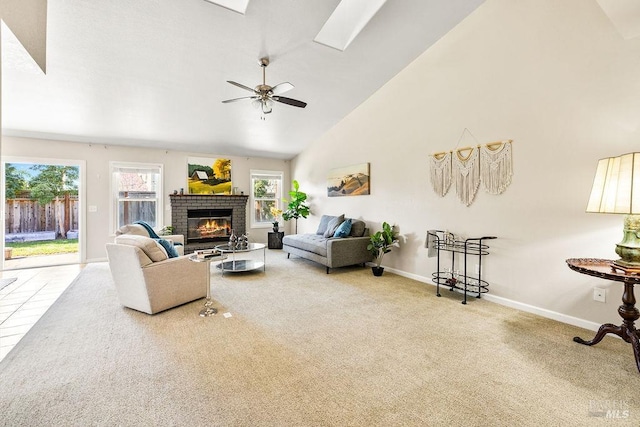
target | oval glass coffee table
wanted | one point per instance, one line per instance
(239, 265)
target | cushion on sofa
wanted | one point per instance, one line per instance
(357, 228)
(333, 226)
(307, 242)
(343, 229)
(324, 221)
(150, 247)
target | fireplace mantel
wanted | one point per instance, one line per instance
(181, 203)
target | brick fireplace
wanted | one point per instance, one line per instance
(206, 219)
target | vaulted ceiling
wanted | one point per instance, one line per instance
(152, 73)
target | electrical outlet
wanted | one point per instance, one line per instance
(599, 294)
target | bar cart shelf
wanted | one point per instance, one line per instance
(452, 278)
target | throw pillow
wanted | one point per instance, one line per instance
(150, 247)
(343, 229)
(333, 225)
(168, 246)
(324, 221)
(357, 228)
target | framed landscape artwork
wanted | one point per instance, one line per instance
(348, 181)
(208, 175)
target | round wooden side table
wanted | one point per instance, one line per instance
(604, 269)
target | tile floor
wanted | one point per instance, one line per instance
(24, 301)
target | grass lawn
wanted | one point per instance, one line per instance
(43, 247)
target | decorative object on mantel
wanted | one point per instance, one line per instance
(466, 170)
(381, 243)
(616, 189)
(297, 205)
(208, 176)
(348, 181)
(496, 166)
(441, 172)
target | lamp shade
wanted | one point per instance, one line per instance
(616, 186)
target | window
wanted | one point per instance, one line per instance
(267, 193)
(136, 193)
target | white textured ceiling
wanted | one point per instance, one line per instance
(152, 73)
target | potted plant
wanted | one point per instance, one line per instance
(275, 213)
(297, 205)
(167, 230)
(381, 243)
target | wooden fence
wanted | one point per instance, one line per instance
(28, 216)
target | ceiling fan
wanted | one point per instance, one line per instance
(264, 95)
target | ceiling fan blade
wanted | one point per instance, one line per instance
(290, 101)
(226, 101)
(241, 86)
(282, 88)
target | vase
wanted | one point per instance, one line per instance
(233, 239)
(276, 227)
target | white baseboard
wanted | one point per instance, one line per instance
(543, 312)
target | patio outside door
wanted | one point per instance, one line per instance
(42, 212)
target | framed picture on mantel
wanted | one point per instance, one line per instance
(208, 175)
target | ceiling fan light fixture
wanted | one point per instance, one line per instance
(266, 107)
(265, 95)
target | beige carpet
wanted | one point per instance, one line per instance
(304, 348)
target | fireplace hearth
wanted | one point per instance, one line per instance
(207, 207)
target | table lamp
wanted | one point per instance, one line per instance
(616, 189)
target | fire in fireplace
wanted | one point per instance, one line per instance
(208, 225)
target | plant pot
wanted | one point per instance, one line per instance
(377, 271)
(276, 228)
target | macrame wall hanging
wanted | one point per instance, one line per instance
(466, 170)
(490, 164)
(496, 166)
(441, 173)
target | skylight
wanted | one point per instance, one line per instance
(346, 22)
(239, 6)
(624, 15)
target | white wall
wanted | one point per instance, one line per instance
(97, 158)
(555, 77)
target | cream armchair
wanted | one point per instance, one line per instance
(139, 230)
(146, 280)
